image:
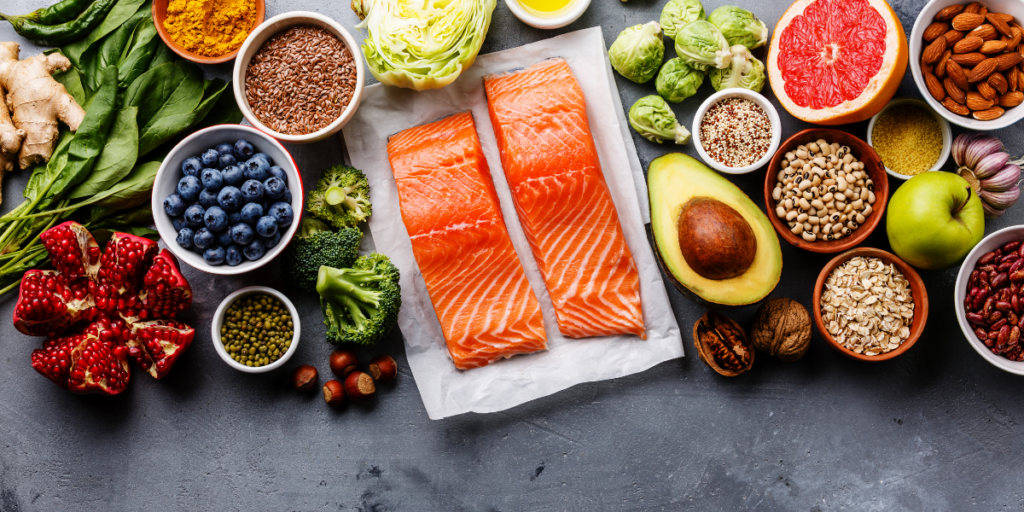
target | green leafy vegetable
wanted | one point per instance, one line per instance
(677, 13)
(118, 15)
(638, 52)
(678, 81)
(654, 120)
(744, 71)
(701, 45)
(739, 26)
(116, 160)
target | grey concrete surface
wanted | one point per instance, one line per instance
(935, 429)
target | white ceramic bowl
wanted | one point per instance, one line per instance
(167, 177)
(569, 14)
(987, 244)
(947, 134)
(218, 322)
(925, 18)
(762, 102)
(267, 30)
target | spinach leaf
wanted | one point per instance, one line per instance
(166, 97)
(133, 190)
(102, 216)
(118, 15)
(161, 55)
(117, 158)
(72, 81)
(136, 56)
(109, 50)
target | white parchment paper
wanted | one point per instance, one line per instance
(446, 391)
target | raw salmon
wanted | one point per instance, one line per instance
(551, 164)
(485, 304)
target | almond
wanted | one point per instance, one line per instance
(953, 37)
(955, 107)
(983, 11)
(992, 47)
(986, 32)
(935, 30)
(1011, 78)
(1020, 78)
(935, 87)
(940, 68)
(1008, 18)
(998, 23)
(973, 8)
(953, 91)
(976, 101)
(968, 44)
(987, 91)
(1007, 60)
(1014, 40)
(988, 114)
(967, 21)
(968, 59)
(934, 50)
(956, 73)
(982, 70)
(947, 13)
(1011, 99)
(998, 82)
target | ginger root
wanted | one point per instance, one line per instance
(36, 101)
(10, 138)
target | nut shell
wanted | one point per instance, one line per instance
(782, 328)
(722, 344)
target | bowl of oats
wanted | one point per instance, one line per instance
(870, 305)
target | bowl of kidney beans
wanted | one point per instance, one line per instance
(990, 298)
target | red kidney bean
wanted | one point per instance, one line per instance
(1002, 305)
(989, 304)
(998, 324)
(987, 268)
(1004, 335)
(1015, 266)
(987, 258)
(1004, 266)
(1000, 280)
(975, 318)
(1011, 246)
(1020, 252)
(981, 334)
(1017, 276)
(1015, 304)
(1014, 336)
(1012, 319)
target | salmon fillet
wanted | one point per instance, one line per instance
(486, 307)
(550, 161)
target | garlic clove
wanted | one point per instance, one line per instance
(1000, 200)
(979, 148)
(990, 164)
(990, 212)
(1004, 180)
(960, 145)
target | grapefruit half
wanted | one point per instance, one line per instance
(837, 61)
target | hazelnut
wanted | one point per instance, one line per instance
(334, 394)
(304, 378)
(343, 362)
(383, 368)
(359, 387)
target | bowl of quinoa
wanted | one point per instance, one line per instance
(736, 131)
(910, 138)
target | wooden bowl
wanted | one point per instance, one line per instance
(160, 15)
(872, 165)
(917, 289)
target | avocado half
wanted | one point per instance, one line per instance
(672, 181)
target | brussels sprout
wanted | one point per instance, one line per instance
(744, 71)
(739, 26)
(652, 118)
(638, 52)
(678, 13)
(678, 81)
(701, 45)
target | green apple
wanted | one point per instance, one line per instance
(934, 220)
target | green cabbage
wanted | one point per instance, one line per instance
(419, 44)
(744, 71)
(677, 13)
(652, 118)
(701, 45)
(678, 81)
(739, 26)
(638, 52)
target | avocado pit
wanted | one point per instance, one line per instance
(716, 241)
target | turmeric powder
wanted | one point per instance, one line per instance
(210, 28)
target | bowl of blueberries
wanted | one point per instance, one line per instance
(227, 198)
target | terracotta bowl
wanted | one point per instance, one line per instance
(872, 165)
(917, 289)
(160, 14)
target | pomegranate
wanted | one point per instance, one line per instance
(99, 307)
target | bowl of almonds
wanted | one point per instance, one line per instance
(968, 61)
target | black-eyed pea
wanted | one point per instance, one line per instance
(807, 226)
(790, 156)
(859, 218)
(804, 204)
(871, 197)
(801, 154)
(822, 213)
(864, 193)
(867, 210)
(825, 198)
(797, 229)
(777, 193)
(789, 204)
(858, 204)
(836, 235)
(841, 183)
(846, 231)
(817, 204)
(802, 217)
(848, 208)
(781, 212)
(814, 220)
(809, 237)
(791, 215)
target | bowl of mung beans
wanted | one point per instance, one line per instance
(910, 138)
(256, 329)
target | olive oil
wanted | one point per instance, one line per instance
(545, 8)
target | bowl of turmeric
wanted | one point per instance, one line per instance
(207, 32)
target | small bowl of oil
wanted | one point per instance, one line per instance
(548, 14)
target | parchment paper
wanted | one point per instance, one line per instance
(446, 391)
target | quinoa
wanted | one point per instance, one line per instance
(736, 132)
(908, 139)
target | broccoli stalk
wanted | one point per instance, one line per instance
(341, 197)
(360, 304)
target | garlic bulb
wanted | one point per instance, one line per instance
(981, 161)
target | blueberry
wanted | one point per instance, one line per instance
(252, 191)
(254, 250)
(202, 239)
(194, 216)
(233, 255)
(224, 238)
(266, 226)
(214, 256)
(216, 219)
(185, 236)
(174, 205)
(188, 188)
(256, 169)
(277, 172)
(282, 214)
(179, 222)
(229, 198)
(273, 187)
(243, 149)
(234, 218)
(241, 234)
(251, 213)
(191, 166)
(233, 175)
(287, 196)
(265, 157)
(225, 161)
(212, 179)
(270, 241)
(207, 198)
(209, 157)
(225, 149)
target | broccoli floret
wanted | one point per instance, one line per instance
(314, 245)
(341, 197)
(360, 304)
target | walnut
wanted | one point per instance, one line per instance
(722, 344)
(782, 328)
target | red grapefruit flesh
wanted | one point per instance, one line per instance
(837, 61)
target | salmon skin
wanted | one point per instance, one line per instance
(550, 161)
(486, 307)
